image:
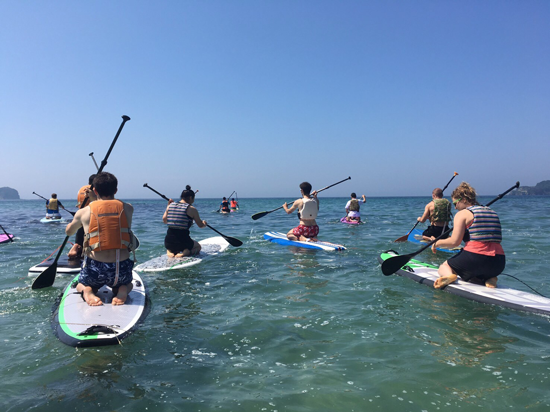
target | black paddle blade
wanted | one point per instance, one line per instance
(393, 264)
(46, 278)
(233, 241)
(256, 216)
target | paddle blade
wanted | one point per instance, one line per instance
(46, 278)
(256, 216)
(233, 241)
(402, 238)
(393, 264)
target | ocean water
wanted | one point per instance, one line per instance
(266, 327)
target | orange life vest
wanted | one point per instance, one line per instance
(82, 194)
(233, 204)
(108, 226)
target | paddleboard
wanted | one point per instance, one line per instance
(351, 222)
(416, 237)
(210, 247)
(77, 324)
(64, 265)
(426, 274)
(4, 238)
(281, 239)
(44, 220)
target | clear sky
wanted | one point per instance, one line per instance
(258, 96)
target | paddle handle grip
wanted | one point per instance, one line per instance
(449, 182)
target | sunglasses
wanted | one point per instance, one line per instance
(456, 201)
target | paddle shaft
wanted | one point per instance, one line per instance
(92, 155)
(9, 237)
(47, 277)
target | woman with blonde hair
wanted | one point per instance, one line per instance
(482, 258)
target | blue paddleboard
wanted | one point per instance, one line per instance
(416, 237)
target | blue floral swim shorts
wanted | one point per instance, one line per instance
(96, 274)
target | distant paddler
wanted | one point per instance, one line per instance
(308, 208)
(438, 211)
(353, 207)
(52, 207)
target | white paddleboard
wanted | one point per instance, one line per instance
(210, 247)
(77, 324)
(281, 239)
(44, 220)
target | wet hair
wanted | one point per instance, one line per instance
(105, 184)
(91, 179)
(353, 194)
(54, 196)
(306, 188)
(437, 192)
(224, 198)
(187, 194)
(465, 192)
(232, 198)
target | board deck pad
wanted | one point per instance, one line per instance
(416, 237)
(426, 274)
(210, 247)
(281, 239)
(77, 324)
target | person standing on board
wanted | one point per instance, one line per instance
(482, 258)
(234, 204)
(179, 217)
(107, 243)
(352, 208)
(84, 192)
(438, 211)
(308, 208)
(225, 206)
(52, 207)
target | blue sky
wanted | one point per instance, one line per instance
(258, 96)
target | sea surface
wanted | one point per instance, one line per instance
(266, 327)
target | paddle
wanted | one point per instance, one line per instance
(62, 207)
(393, 264)
(404, 238)
(9, 237)
(92, 154)
(47, 277)
(231, 240)
(259, 215)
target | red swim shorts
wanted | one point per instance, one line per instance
(306, 231)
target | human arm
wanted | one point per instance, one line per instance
(426, 213)
(297, 203)
(193, 213)
(75, 224)
(460, 222)
(364, 198)
(165, 215)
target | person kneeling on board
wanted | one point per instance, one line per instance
(224, 206)
(83, 193)
(108, 241)
(482, 258)
(308, 208)
(52, 207)
(438, 211)
(352, 208)
(179, 217)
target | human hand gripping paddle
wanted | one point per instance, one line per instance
(405, 237)
(47, 277)
(62, 207)
(258, 215)
(393, 264)
(231, 240)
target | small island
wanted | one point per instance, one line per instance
(7, 193)
(540, 189)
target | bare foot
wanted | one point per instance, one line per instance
(444, 281)
(122, 294)
(170, 254)
(91, 299)
(491, 282)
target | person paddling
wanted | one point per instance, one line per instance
(234, 204)
(224, 206)
(438, 211)
(52, 207)
(108, 241)
(179, 217)
(353, 207)
(308, 208)
(482, 258)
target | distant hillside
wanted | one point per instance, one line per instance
(541, 189)
(7, 193)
